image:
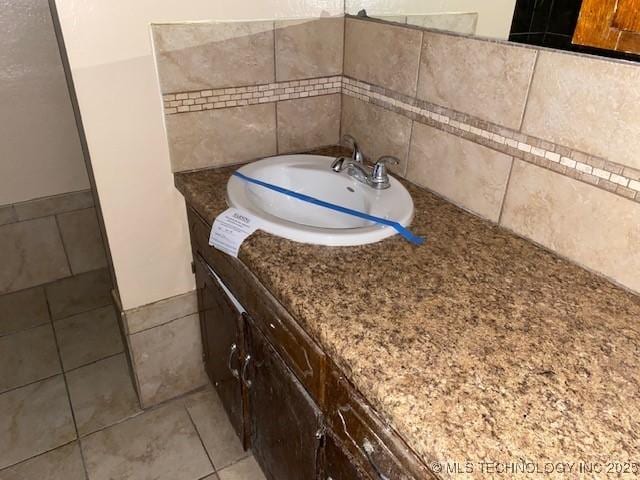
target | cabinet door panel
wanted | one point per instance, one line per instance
(222, 343)
(285, 422)
(339, 465)
(609, 24)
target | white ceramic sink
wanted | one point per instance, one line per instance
(311, 175)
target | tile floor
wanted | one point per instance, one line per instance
(68, 409)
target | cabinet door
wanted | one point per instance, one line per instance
(609, 24)
(286, 425)
(338, 463)
(220, 324)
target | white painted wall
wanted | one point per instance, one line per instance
(109, 49)
(494, 16)
(40, 152)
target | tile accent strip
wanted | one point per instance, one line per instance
(184, 102)
(604, 174)
(610, 176)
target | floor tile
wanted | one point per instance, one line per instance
(160, 444)
(219, 437)
(88, 336)
(23, 309)
(82, 240)
(247, 469)
(34, 419)
(32, 254)
(79, 293)
(28, 356)
(168, 360)
(64, 463)
(102, 394)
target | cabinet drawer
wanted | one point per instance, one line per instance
(301, 354)
(366, 438)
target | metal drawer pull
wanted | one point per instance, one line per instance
(232, 352)
(366, 448)
(246, 381)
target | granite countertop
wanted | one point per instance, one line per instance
(476, 346)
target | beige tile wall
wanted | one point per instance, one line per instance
(484, 79)
(165, 347)
(321, 125)
(567, 123)
(591, 226)
(588, 104)
(219, 137)
(195, 56)
(378, 131)
(457, 111)
(309, 49)
(167, 360)
(465, 172)
(47, 239)
(382, 54)
(232, 78)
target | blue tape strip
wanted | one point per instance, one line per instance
(415, 239)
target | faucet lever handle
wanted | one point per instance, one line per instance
(384, 159)
(379, 176)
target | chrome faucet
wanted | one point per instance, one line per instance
(356, 156)
(376, 176)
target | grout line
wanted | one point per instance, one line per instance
(142, 411)
(28, 384)
(275, 110)
(82, 312)
(130, 334)
(406, 167)
(195, 427)
(344, 42)
(64, 246)
(526, 98)
(66, 386)
(92, 362)
(14, 465)
(49, 198)
(506, 190)
(25, 329)
(415, 94)
(275, 55)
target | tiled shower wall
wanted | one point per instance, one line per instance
(543, 142)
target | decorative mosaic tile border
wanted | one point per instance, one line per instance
(609, 176)
(604, 174)
(195, 101)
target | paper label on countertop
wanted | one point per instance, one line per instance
(231, 228)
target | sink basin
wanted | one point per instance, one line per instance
(311, 175)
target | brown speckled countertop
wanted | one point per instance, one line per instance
(477, 346)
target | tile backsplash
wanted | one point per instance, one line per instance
(543, 142)
(224, 83)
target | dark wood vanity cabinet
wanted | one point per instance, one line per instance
(286, 425)
(338, 465)
(221, 325)
(286, 400)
